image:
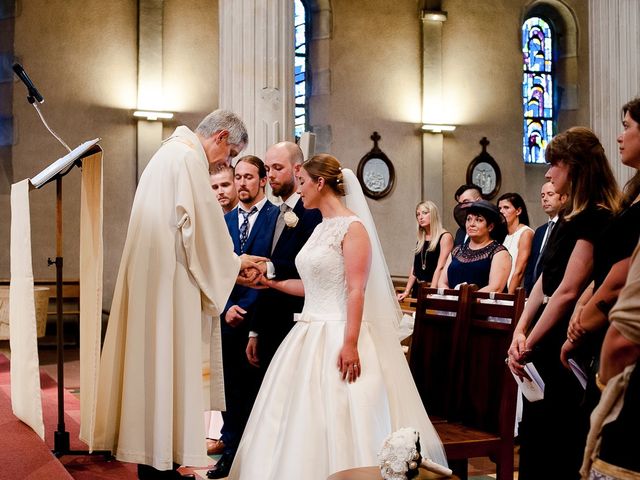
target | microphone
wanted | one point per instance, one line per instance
(34, 94)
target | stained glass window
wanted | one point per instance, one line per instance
(537, 88)
(300, 68)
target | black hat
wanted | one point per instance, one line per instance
(488, 210)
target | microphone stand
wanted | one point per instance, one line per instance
(61, 443)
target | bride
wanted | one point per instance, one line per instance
(339, 383)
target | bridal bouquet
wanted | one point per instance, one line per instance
(400, 456)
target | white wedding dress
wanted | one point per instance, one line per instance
(308, 423)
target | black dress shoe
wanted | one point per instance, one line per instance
(221, 469)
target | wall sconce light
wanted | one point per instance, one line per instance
(437, 128)
(434, 15)
(152, 115)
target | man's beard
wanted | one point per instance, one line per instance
(284, 190)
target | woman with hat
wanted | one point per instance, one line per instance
(482, 260)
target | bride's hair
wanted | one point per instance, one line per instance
(328, 167)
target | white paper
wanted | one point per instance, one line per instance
(579, 373)
(62, 163)
(533, 389)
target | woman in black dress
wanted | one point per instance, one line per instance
(432, 249)
(553, 430)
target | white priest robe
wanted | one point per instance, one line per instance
(177, 264)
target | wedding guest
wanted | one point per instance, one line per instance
(224, 187)
(611, 261)
(433, 246)
(251, 225)
(519, 236)
(483, 260)
(465, 194)
(177, 264)
(339, 383)
(554, 428)
(611, 451)
(552, 204)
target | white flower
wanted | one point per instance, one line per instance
(290, 219)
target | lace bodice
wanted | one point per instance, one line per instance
(320, 264)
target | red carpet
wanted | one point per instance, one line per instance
(25, 456)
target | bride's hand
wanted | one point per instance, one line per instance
(349, 363)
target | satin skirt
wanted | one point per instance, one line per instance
(307, 422)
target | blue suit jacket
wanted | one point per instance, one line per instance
(258, 243)
(529, 278)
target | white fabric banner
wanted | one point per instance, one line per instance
(26, 400)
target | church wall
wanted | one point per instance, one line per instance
(376, 86)
(375, 69)
(82, 56)
(482, 74)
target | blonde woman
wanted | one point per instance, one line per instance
(432, 249)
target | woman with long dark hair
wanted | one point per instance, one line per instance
(553, 430)
(519, 236)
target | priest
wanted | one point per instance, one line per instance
(177, 270)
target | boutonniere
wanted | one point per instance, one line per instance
(290, 219)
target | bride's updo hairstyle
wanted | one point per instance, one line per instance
(328, 167)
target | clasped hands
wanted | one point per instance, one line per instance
(518, 355)
(252, 268)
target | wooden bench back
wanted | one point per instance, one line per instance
(487, 389)
(435, 357)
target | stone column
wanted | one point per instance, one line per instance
(432, 143)
(614, 71)
(256, 68)
(149, 133)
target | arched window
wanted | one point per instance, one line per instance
(300, 68)
(537, 88)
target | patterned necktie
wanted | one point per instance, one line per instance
(284, 208)
(244, 227)
(545, 241)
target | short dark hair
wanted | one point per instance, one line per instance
(463, 188)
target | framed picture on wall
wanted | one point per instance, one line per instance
(484, 172)
(375, 172)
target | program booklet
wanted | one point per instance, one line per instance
(62, 164)
(533, 389)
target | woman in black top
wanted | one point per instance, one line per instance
(553, 430)
(432, 249)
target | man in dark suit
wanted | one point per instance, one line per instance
(465, 194)
(274, 311)
(251, 225)
(552, 203)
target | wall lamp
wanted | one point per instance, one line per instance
(437, 128)
(152, 115)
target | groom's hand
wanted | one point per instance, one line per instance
(235, 315)
(252, 352)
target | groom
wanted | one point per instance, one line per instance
(273, 315)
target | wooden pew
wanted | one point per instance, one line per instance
(435, 359)
(70, 303)
(485, 389)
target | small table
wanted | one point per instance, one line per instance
(373, 473)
